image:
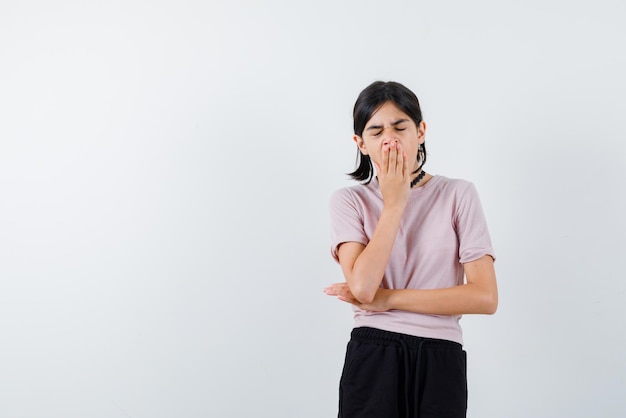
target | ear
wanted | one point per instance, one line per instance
(360, 143)
(421, 132)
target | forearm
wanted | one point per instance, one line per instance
(369, 266)
(364, 266)
(469, 298)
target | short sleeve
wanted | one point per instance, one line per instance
(346, 221)
(471, 227)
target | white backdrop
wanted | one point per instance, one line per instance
(165, 169)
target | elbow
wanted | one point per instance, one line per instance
(360, 289)
(491, 309)
(363, 294)
(490, 304)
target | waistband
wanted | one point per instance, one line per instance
(379, 336)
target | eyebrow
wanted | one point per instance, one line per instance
(398, 122)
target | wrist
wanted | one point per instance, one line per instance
(396, 208)
(384, 298)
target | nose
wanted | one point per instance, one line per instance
(389, 135)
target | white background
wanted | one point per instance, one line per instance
(165, 169)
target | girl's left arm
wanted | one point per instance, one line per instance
(479, 295)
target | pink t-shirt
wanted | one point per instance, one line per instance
(443, 226)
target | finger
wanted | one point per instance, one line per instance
(393, 158)
(337, 288)
(385, 159)
(399, 161)
(348, 300)
(331, 290)
(405, 167)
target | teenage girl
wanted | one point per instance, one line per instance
(416, 254)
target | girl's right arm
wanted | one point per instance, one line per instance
(364, 266)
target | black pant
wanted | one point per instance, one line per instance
(389, 375)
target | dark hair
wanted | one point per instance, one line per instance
(369, 101)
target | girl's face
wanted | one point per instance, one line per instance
(389, 124)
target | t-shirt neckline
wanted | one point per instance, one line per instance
(415, 191)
